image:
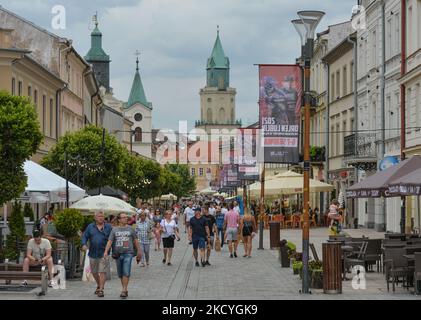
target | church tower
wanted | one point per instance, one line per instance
(98, 58)
(139, 111)
(217, 99)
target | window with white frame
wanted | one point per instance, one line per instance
(193, 171)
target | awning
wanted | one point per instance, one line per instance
(46, 186)
(377, 185)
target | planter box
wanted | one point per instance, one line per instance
(316, 279)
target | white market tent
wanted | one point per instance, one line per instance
(46, 186)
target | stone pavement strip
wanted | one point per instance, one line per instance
(257, 278)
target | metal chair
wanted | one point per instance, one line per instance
(373, 254)
(356, 258)
(396, 266)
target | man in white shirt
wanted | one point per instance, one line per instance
(236, 207)
(188, 214)
(38, 253)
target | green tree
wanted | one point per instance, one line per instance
(170, 182)
(85, 146)
(131, 178)
(69, 222)
(17, 232)
(187, 182)
(152, 171)
(20, 137)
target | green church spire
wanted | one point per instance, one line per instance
(137, 94)
(218, 66)
(96, 53)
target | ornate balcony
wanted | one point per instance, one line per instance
(360, 151)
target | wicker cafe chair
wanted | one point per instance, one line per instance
(396, 266)
(374, 253)
(289, 221)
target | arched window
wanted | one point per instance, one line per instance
(138, 134)
(209, 115)
(222, 115)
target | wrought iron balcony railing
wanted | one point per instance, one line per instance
(360, 150)
(360, 145)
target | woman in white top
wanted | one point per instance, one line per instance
(169, 232)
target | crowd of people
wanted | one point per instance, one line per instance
(208, 224)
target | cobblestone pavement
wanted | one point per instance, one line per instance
(259, 277)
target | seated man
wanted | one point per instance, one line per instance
(38, 253)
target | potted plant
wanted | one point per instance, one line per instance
(69, 224)
(316, 274)
(297, 266)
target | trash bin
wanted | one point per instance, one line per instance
(275, 234)
(332, 267)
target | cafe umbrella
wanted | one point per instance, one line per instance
(108, 205)
(377, 185)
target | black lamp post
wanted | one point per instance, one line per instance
(306, 27)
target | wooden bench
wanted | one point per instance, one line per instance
(12, 271)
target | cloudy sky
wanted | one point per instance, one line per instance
(176, 37)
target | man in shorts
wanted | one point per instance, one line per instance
(97, 234)
(198, 233)
(232, 220)
(38, 253)
(211, 223)
(188, 214)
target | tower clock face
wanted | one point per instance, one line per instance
(138, 117)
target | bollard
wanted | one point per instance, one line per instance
(261, 235)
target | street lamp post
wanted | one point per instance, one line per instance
(306, 27)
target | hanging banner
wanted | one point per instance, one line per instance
(279, 112)
(248, 152)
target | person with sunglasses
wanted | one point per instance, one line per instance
(123, 240)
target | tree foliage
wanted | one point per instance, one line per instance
(131, 178)
(187, 182)
(20, 137)
(84, 146)
(69, 222)
(17, 232)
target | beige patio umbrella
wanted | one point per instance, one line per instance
(207, 191)
(287, 183)
(169, 196)
(108, 205)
